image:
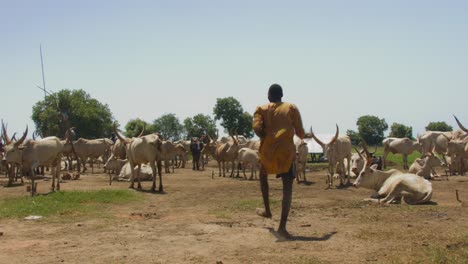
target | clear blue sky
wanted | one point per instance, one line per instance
(405, 61)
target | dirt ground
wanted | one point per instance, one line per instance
(200, 219)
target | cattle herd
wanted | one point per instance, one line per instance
(143, 158)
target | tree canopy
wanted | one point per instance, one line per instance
(354, 136)
(198, 125)
(168, 126)
(134, 127)
(72, 108)
(401, 131)
(371, 129)
(438, 126)
(232, 116)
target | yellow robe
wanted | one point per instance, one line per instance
(277, 122)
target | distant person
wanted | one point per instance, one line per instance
(196, 147)
(275, 124)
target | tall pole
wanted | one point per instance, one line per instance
(43, 78)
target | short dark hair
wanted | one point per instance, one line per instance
(276, 91)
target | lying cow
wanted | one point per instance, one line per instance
(392, 185)
(146, 174)
(424, 166)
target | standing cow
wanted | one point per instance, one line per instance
(31, 154)
(336, 151)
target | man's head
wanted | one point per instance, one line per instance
(275, 93)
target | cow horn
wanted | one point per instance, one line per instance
(359, 153)
(315, 138)
(13, 138)
(336, 135)
(121, 138)
(366, 148)
(5, 134)
(460, 125)
(20, 141)
(142, 131)
(34, 135)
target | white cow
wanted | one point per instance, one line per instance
(423, 166)
(403, 146)
(248, 157)
(336, 151)
(392, 185)
(301, 159)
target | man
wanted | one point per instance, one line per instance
(196, 146)
(275, 124)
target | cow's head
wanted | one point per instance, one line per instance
(13, 149)
(357, 161)
(366, 177)
(327, 148)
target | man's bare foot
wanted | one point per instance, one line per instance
(261, 212)
(285, 234)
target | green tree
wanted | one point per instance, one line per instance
(438, 126)
(199, 125)
(354, 136)
(401, 131)
(371, 129)
(72, 108)
(233, 117)
(134, 127)
(168, 126)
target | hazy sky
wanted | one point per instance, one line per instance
(405, 61)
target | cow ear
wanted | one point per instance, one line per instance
(21, 147)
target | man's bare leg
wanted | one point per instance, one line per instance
(265, 194)
(286, 205)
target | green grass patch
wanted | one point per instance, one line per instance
(452, 253)
(65, 203)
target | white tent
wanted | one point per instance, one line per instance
(313, 146)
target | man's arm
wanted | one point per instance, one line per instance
(297, 123)
(258, 123)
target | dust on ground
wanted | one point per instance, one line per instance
(201, 218)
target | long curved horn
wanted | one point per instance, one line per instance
(33, 135)
(359, 153)
(460, 125)
(315, 138)
(121, 138)
(365, 148)
(336, 135)
(5, 134)
(142, 131)
(20, 141)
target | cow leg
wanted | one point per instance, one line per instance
(138, 175)
(33, 183)
(224, 168)
(304, 170)
(384, 159)
(330, 177)
(160, 176)
(219, 168)
(265, 194)
(132, 178)
(405, 161)
(153, 171)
